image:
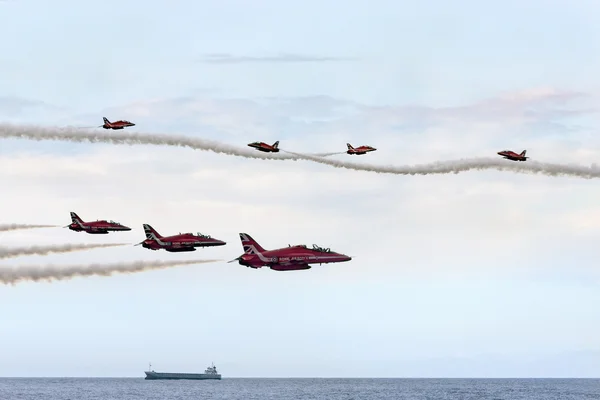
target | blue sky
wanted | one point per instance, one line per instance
(476, 274)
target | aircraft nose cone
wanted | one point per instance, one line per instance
(126, 228)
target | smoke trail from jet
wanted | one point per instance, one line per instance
(319, 154)
(457, 166)
(79, 136)
(6, 252)
(16, 227)
(37, 273)
(441, 167)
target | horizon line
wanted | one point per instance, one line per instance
(292, 377)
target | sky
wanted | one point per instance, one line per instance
(477, 274)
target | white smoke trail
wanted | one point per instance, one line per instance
(36, 273)
(9, 252)
(71, 134)
(456, 166)
(16, 227)
(441, 167)
(321, 154)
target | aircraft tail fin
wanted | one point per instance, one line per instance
(75, 218)
(523, 153)
(349, 146)
(150, 232)
(250, 245)
(276, 144)
(106, 121)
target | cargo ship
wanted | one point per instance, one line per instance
(209, 373)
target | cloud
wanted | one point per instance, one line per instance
(541, 105)
(235, 117)
(511, 111)
(224, 58)
(10, 106)
(21, 110)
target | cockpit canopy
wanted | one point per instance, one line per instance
(314, 248)
(114, 222)
(203, 236)
(321, 249)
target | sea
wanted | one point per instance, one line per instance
(298, 389)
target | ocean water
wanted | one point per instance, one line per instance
(298, 389)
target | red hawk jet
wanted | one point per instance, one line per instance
(359, 150)
(262, 146)
(290, 258)
(177, 243)
(511, 155)
(96, 227)
(116, 125)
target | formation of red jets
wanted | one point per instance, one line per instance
(260, 146)
(274, 148)
(291, 258)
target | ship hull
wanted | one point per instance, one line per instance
(173, 375)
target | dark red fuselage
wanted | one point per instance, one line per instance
(116, 125)
(177, 243)
(359, 150)
(290, 258)
(266, 148)
(511, 155)
(96, 227)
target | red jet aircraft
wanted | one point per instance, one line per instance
(511, 155)
(116, 125)
(290, 258)
(262, 146)
(97, 227)
(359, 150)
(177, 243)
